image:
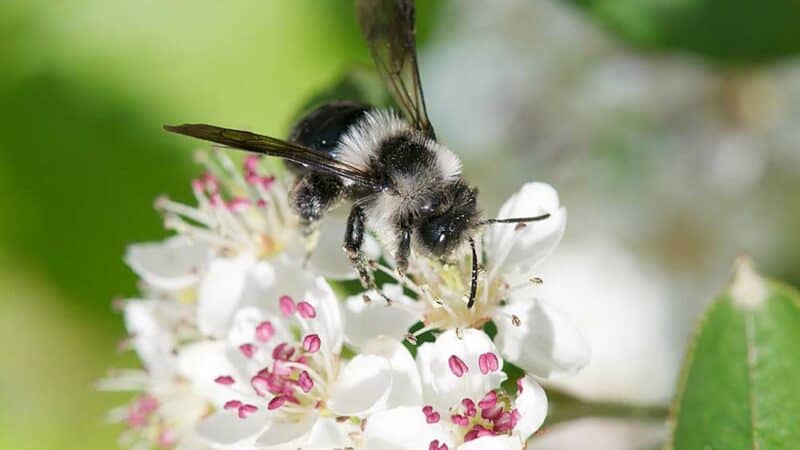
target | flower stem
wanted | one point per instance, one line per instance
(563, 408)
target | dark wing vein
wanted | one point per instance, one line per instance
(390, 31)
(265, 145)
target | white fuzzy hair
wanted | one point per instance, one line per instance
(364, 139)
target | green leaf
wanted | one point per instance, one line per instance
(741, 380)
(727, 31)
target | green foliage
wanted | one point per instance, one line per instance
(726, 31)
(742, 376)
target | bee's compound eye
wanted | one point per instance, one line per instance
(435, 235)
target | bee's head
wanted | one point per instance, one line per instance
(449, 221)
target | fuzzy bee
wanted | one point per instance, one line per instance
(401, 181)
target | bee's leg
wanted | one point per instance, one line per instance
(353, 240)
(312, 195)
(403, 251)
(473, 286)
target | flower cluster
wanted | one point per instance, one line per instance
(245, 343)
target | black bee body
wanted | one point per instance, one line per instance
(421, 198)
(315, 192)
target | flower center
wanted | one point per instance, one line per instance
(492, 415)
(294, 376)
(237, 210)
(444, 291)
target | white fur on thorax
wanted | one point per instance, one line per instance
(361, 144)
(363, 140)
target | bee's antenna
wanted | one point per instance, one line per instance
(514, 219)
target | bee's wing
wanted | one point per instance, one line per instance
(388, 26)
(245, 140)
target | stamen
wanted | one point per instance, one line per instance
(261, 385)
(147, 404)
(469, 407)
(282, 351)
(477, 432)
(433, 417)
(311, 343)
(265, 331)
(488, 363)
(434, 445)
(306, 310)
(246, 410)
(239, 204)
(232, 404)
(225, 380)
(457, 366)
(305, 382)
(287, 305)
(459, 420)
(492, 412)
(276, 402)
(251, 163)
(248, 350)
(167, 438)
(198, 215)
(488, 400)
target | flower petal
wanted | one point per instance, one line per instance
(363, 385)
(220, 292)
(443, 388)
(169, 265)
(364, 321)
(545, 343)
(226, 428)
(402, 428)
(149, 323)
(511, 248)
(532, 406)
(201, 363)
(284, 431)
(328, 321)
(327, 434)
(328, 258)
(406, 384)
(493, 443)
(245, 322)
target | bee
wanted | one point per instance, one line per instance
(403, 184)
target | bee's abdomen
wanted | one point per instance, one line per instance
(321, 128)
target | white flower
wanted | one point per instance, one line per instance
(172, 265)
(246, 214)
(531, 333)
(167, 408)
(463, 406)
(279, 380)
(367, 315)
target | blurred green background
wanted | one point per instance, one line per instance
(85, 86)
